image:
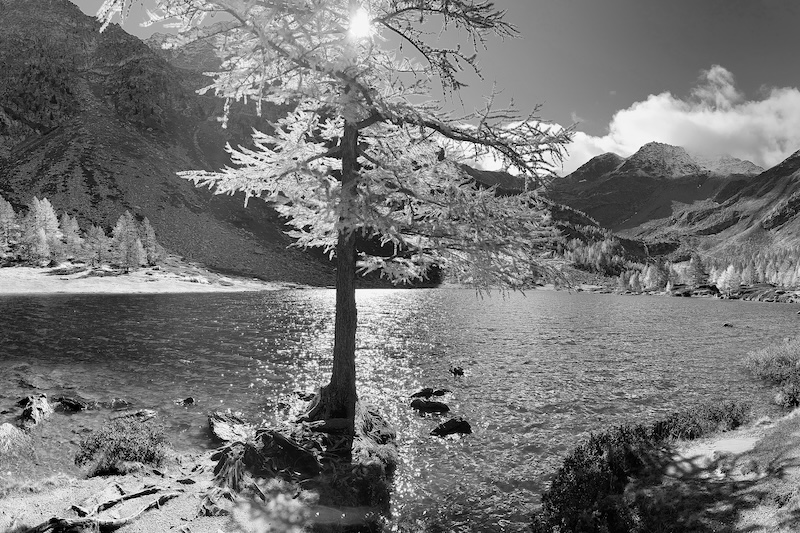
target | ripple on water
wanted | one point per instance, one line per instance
(540, 372)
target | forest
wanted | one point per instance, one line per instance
(38, 237)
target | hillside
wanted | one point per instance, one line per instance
(625, 193)
(99, 124)
(759, 213)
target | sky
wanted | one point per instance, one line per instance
(715, 76)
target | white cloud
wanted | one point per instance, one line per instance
(715, 119)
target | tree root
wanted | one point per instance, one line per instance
(90, 522)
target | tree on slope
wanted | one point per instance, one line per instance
(71, 235)
(9, 227)
(365, 151)
(41, 230)
(128, 250)
(153, 251)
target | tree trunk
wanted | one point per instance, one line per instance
(338, 398)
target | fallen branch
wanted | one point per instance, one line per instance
(90, 522)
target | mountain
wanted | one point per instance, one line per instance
(758, 213)
(100, 123)
(624, 193)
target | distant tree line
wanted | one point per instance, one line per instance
(38, 236)
(603, 254)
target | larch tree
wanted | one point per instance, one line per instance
(71, 235)
(97, 245)
(366, 152)
(9, 227)
(153, 251)
(127, 245)
(40, 228)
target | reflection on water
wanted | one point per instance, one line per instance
(540, 371)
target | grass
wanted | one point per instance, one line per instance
(123, 443)
(779, 364)
(588, 491)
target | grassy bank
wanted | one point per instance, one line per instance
(698, 470)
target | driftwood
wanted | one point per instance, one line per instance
(89, 521)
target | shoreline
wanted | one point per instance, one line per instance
(166, 279)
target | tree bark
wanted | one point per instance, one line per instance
(338, 398)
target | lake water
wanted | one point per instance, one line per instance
(541, 370)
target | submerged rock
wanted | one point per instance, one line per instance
(454, 426)
(35, 409)
(229, 427)
(428, 406)
(456, 371)
(69, 404)
(427, 392)
(142, 415)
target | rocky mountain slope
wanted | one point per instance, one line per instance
(756, 213)
(625, 193)
(100, 123)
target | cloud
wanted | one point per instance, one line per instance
(714, 119)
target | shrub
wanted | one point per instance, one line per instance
(777, 363)
(587, 492)
(121, 442)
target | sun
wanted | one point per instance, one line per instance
(360, 24)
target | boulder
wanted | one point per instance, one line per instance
(427, 392)
(69, 404)
(454, 426)
(456, 371)
(229, 427)
(34, 410)
(428, 406)
(13, 440)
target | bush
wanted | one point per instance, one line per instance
(120, 443)
(778, 363)
(587, 492)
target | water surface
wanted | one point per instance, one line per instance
(541, 370)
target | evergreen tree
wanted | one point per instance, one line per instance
(97, 245)
(698, 275)
(71, 237)
(153, 251)
(365, 151)
(9, 227)
(128, 250)
(41, 217)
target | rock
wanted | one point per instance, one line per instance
(142, 415)
(68, 404)
(456, 371)
(13, 440)
(454, 426)
(427, 392)
(427, 406)
(229, 427)
(186, 401)
(727, 325)
(35, 409)
(117, 403)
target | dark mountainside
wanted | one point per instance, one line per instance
(99, 124)
(757, 213)
(625, 193)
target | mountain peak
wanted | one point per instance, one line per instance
(661, 160)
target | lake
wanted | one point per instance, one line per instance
(540, 371)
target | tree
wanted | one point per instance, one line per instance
(97, 244)
(128, 249)
(40, 226)
(153, 251)
(71, 235)
(698, 275)
(9, 227)
(365, 152)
